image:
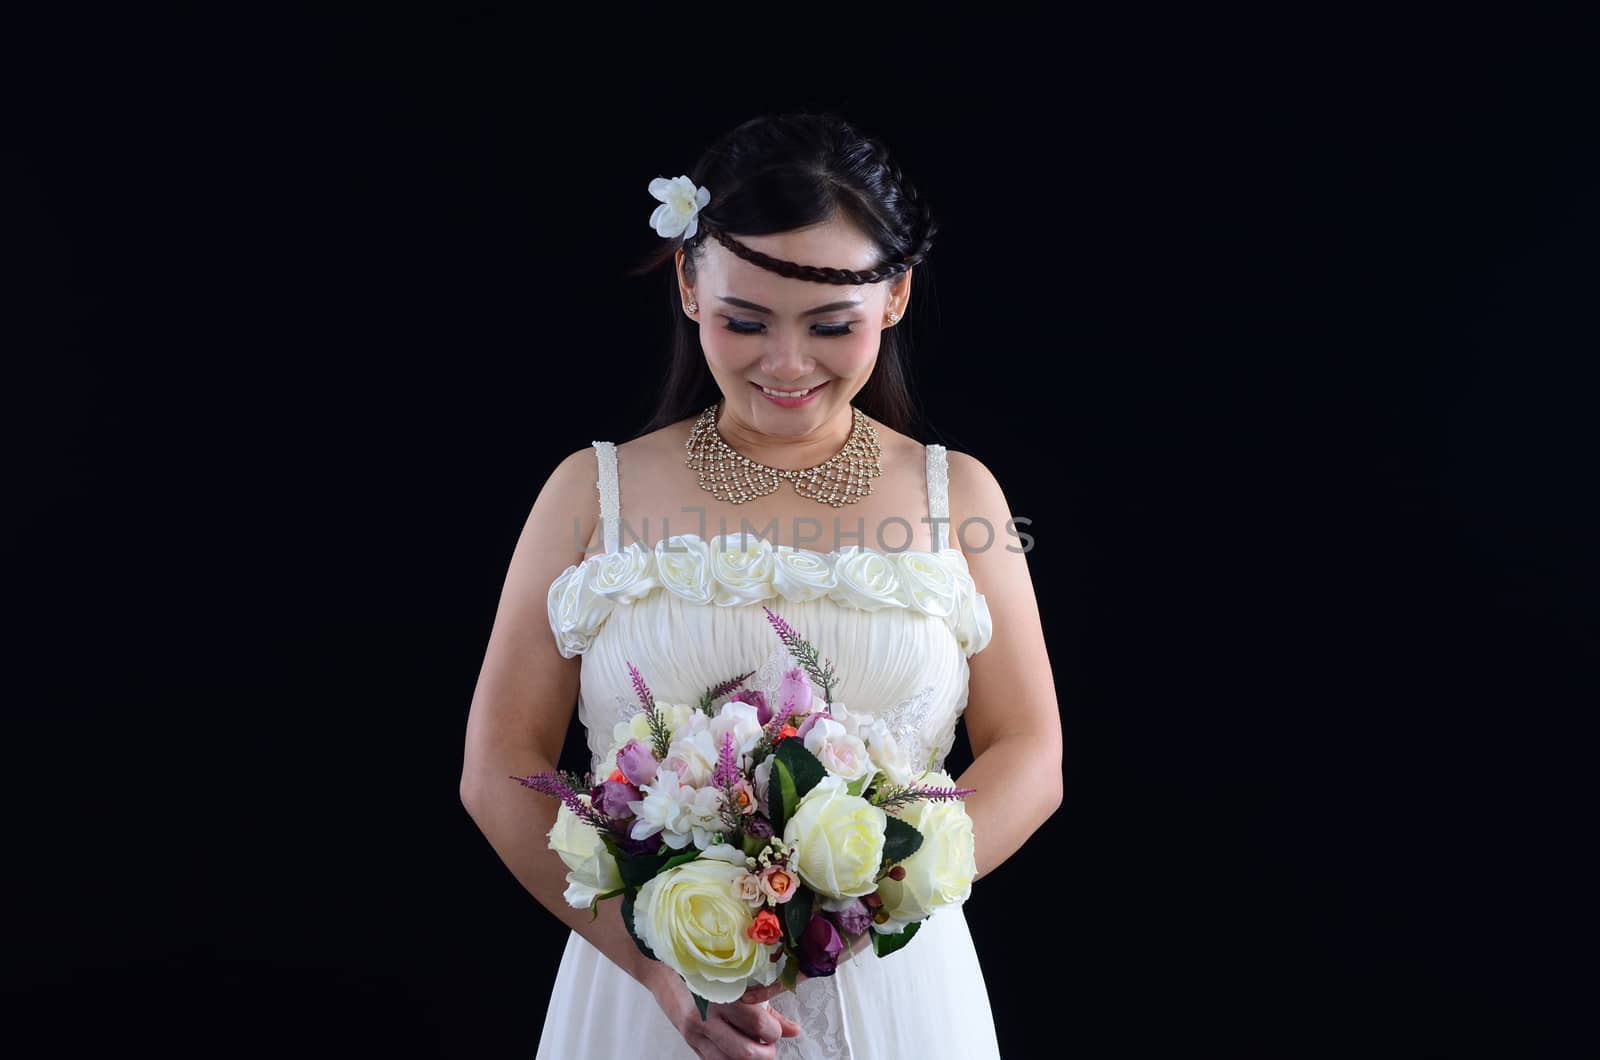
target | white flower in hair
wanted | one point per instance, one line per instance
(680, 206)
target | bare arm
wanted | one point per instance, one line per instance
(522, 707)
(1012, 717)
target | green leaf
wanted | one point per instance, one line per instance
(627, 921)
(790, 975)
(636, 872)
(883, 945)
(595, 906)
(857, 786)
(702, 1004)
(782, 795)
(796, 914)
(900, 839)
(752, 845)
(803, 765)
(678, 859)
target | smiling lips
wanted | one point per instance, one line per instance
(789, 399)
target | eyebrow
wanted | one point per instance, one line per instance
(830, 307)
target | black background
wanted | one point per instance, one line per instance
(1283, 348)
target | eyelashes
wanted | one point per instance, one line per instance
(753, 327)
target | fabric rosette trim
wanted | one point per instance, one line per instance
(733, 570)
(752, 841)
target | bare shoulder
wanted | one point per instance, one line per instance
(983, 526)
(975, 494)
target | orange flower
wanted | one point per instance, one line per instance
(617, 775)
(766, 927)
(784, 733)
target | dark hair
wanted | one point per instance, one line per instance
(777, 173)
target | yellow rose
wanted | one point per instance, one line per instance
(840, 837)
(592, 869)
(940, 873)
(693, 923)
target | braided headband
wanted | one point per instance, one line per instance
(679, 215)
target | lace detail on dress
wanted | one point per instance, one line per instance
(939, 493)
(818, 1006)
(905, 720)
(610, 499)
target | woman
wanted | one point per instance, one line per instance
(793, 244)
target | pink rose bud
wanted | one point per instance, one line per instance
(897, 873)
(637, 762)
(795, 691)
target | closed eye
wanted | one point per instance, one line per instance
(755, 327)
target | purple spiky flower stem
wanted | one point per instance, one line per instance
(660, 738)
(716, 692)
(555, 785)
(725, 776)
(901, 795)
(820, 670)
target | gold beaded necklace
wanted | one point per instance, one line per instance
(729, 475)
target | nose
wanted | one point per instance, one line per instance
(786, 362)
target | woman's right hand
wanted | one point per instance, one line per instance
(738, 1030)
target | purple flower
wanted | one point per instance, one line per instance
(820, 946)
(759, 827)
(637, 762)
(614, 796)
(854, 918)
(638, 848)
(756, 698)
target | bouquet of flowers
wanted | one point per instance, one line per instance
(749, 840)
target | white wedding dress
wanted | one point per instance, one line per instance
(898, 627)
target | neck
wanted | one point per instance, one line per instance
(790, 452)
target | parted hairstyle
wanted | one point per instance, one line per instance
(780, 172)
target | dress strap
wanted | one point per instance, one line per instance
(610, 500)
(939, 494)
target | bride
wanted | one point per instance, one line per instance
(780, 434)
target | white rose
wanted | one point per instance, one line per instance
(683, 565)
(867, 580)
(940, 873)
(740, 719)
(840, 837)
(575, 610)
(626, 574)
(929, 582)
(887, 755)
(801, 575)
(741, 568)
(840, 753)
(692, 922)
(692, 755)
(973, 626)
(591, 869)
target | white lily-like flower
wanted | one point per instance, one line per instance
(680, 207)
